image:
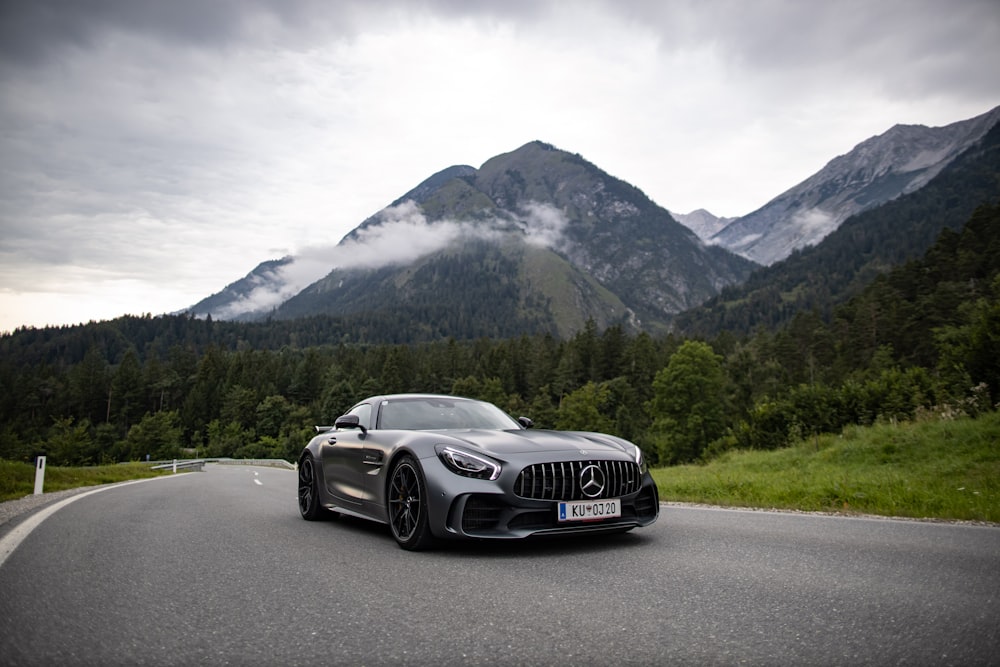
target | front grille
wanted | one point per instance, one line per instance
(561, 481)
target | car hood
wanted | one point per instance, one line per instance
(503, 443)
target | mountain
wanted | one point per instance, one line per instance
(535, 240)
(266, 281)
(866, 245)
(542, 240)
(900, 161)
(702, 222)
(422, 192)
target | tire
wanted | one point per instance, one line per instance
(406, 501)
(309, 506)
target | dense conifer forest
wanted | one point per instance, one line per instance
(922, 339)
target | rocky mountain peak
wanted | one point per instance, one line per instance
(703, 223)
(901, 160)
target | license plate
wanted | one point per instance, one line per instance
(590, 510)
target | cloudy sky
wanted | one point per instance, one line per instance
(153, 152)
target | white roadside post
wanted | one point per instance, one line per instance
(175, 466)
(39, 475)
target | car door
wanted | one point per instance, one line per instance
(342, 454)
(379, 444)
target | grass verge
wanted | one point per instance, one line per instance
(17, 479)
(926, 469)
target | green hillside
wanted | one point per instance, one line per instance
(942, 469)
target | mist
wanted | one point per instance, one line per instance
(399, 235)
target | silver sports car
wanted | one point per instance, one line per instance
(446, 467)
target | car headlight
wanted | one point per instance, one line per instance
(641, 460)
(467, 464)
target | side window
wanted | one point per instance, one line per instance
(364, 413)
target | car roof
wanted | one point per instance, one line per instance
(396, 397)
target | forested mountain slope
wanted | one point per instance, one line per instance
(898, 162)
(866, 245)
(537, 240)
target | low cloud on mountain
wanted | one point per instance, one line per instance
(401, 235)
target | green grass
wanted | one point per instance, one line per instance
(18, 479)
(927, 469)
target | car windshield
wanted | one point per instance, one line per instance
(434, 413)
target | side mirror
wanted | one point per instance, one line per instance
(525, 422)
(349, 421)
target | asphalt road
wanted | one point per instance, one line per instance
(217, 568)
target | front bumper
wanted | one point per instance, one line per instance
(477, 509)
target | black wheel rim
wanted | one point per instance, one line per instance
(307, 484)
(404, 501)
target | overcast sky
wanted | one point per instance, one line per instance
(153, 152)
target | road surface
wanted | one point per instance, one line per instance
(217, 568)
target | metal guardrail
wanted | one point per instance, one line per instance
(271, 463)
(188, 464)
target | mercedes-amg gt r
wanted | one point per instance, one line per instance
(439, 467)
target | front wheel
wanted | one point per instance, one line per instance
(407, 503)
(309, 506)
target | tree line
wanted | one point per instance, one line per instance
(922, 339)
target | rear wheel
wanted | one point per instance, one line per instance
(407, 504)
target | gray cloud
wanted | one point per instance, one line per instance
(769, 34)
(33, 31)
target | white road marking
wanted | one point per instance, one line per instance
(255, 480)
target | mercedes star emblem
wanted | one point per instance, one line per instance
(592, 481)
